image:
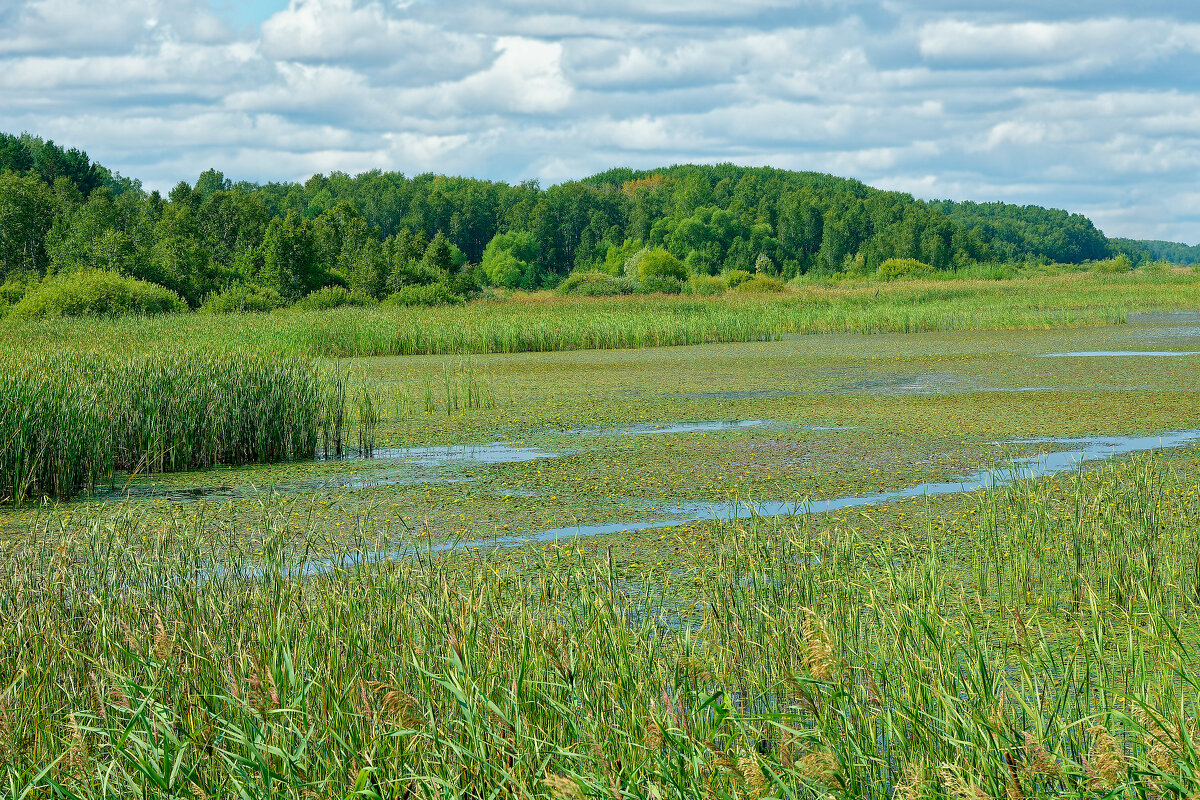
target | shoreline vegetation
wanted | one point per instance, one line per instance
(541, 322)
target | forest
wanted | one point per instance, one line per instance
(70, 227)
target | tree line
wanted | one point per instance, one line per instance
(379, 233)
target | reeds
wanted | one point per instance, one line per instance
(546, 323)
(784, 660)
(70, 421)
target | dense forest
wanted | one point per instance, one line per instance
(1173, 252)
(431, 237)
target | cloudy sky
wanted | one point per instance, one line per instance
(1088, 106)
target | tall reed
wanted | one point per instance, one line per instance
(776, 659)
(70, 420)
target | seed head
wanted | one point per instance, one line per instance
(562, 788)
(1106, 759)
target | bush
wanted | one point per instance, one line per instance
(662, 284)
(1119, 264)
(430, 294)
(707, 284)
(12, 291)
(96, 294)
(333, 297)
(595, 284)
(894, 268)
(761, 283)
(736, 277)
(242, 298)
(656, 263)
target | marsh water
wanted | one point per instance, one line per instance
(614, 442)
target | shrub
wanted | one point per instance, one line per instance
(1119, 264)
(430, 294)
(761, 283)
(96, 294)
(333, 297)
(656, 263)
(242, 297)
(661, 284)
(736, 277)
(894, 268)
(12, 291)
(707, 284)
(595, 284)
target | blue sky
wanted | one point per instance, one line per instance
(1090, 106)
(249, 12)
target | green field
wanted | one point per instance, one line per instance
(536, 586)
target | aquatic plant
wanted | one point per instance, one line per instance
(69, 421)
(777, 659)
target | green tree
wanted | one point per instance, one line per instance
(509, 257)
(26, 215)
(290, 258)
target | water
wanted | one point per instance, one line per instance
(1082, 451)
(646, 428)
(1120, 353)
(493, 453)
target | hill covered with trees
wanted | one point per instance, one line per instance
(430, 237)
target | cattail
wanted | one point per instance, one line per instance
(818, 652)
(1106, 759)
(1038, 761)
(562, 788)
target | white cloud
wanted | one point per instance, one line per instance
(526, 77)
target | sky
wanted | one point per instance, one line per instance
(1090, 106)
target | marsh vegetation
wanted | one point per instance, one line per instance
(232, 617)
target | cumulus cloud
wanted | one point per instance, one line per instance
(1093, 107)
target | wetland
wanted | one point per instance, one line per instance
(833, 564)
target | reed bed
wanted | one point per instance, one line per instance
(549, 323)
(69, 421)
(775, 659)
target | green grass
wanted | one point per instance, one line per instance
(784, 659)
(547, 323)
